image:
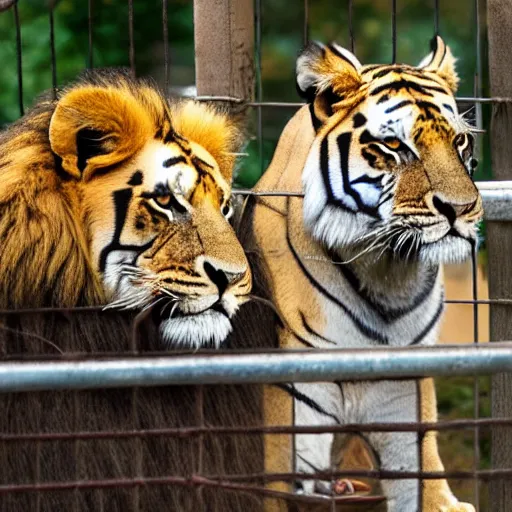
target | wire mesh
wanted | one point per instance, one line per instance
(250, 482)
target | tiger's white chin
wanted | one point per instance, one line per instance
(449, 249)
(206, 329)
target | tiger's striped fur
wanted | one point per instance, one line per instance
(385, 162)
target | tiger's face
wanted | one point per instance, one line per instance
(157, 218)
(390, 169)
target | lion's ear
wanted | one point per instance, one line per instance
(94, 128)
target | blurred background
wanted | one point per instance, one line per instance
(365, 24)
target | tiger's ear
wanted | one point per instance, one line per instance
(442, 62)
(326, 75)
(96, 127)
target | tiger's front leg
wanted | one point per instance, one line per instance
(315, 405)
(437, 496)
(408, 401)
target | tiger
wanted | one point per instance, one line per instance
(123, 197)
(385, 163)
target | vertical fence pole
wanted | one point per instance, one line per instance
(499, 13)
(224, 48)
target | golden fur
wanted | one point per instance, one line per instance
(62, 167)
(101, 154)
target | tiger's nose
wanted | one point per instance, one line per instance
(222, 278)
(450, 209)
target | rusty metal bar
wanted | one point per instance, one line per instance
(19, 57)
(131, 36)
(230, 481)
(90, 60)
(190, 432)
(165, 30)
(52, 51)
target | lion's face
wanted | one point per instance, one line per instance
(156, 203)
(160, 235)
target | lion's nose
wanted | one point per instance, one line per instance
(222, 278)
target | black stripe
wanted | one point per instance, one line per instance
(324, 168)
(368, 179)
(370, 158)
(340, 55)
(384, 199)
(386, 71)
(184, 283)
(366, 330)
(418, 339)
(314, 120)
(427, 105)
(301, 397)
(170, 136)
(371, 67)
(312, 466)
(398, 106)
(343, 141)
(407, 84)
(359, 120)
(373, 150)
(386, 314)
(433, 50)
(174, 160)
(383, 99)
(448, 107)
(367, 138)
(136, 179)
(311, 331)
(122, 200)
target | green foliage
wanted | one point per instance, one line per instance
(110, 44)
(282, 35)
(456, 400)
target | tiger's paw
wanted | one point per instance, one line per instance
(346, 487)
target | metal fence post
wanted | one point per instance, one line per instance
(499, 14)
(224, 48)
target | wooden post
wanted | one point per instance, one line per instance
(499, 14)
(224, 48)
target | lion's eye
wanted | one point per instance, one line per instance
(163, 198)
(392, 143)
(163, 201)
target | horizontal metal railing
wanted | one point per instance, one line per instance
(275, 366)
(496, 196)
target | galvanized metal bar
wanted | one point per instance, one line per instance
(497, 198)
(496, 195)
(277, 366)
